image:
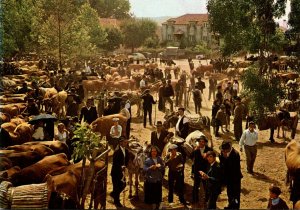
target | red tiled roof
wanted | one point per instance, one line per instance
(184, 19)
(109, 22)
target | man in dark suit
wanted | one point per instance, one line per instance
(120, 161)
(89, 112)
(147, 106)
(200, 164)
(182, 125)
(158, 137)
(213, 180)
(230, 164)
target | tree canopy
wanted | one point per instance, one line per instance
(118, 9)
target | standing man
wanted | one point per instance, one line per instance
(115, 132)
(128, 124)
(248, 140)
(158, 137)
(161, 90)
(238, 119)
(213, 180)
(231, 166)
(197, 100)
(168, 93)
(200, 85)
(120, 161)
(143, 83)
(147, 106)
(212, 88)
(175, 162)
(89, 112)
(200, 163)
(182, 125)
(179, 92)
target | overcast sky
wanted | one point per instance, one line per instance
(158, 8)
(173, 8)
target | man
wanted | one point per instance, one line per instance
(31, 108)
(168, 93)
(200, 85)
(147, 106)
(23, 89)
(200, 163)
(161, 90)
(248, 141)
(143, 83)
(238, 119)
(182, 125)
(179, 92)
(219, 95)
(197, 100)
(89, 112)
(116, 103)
(159, 137)
(213, 180)
(175, 162)
(108, 110)
(115, 132)
(212, 88)
(120, 161)
(231, 167)
(73, 106)
(128, 124)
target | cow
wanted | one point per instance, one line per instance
(5, 163)
(42, 150)
(19, 134)
(93, 86)
(55, 146)
(10, 109)
(8, 173)
(35, 174)
(24, 159)
(201, 69)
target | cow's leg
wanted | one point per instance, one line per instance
(271, 135)
(130, 184)
(137, 184)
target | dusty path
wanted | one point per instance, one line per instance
(269, 166)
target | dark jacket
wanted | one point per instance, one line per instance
(148, 101)
(159, 142)
(231, 167)
(118, 162)
(89, 115)
(214, 182)
(281, 205)
(168, 91)
(200, 163)
(183, 128)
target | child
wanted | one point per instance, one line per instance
(275, 202)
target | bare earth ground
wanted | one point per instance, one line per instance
(269, 166)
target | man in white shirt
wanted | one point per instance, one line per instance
(248, 140)
(143, 83)
(115, 132)
(182, 125)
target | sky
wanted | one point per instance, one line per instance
(173, 8)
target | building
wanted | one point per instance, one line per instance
(193, 27)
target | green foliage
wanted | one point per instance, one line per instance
(244, 24)
(201, 49)
(118, 9)
(136, 31)
(15, 27)
(263, 93)
(114, 39)
(85, 141)
(151, 42)
(294, 16)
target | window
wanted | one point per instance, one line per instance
(192, 38)
(169, 37)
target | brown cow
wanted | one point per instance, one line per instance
(42, 150)
(37, 172)
(8, 173)
(200, 70)
(4, 117)
(10, 109)
(56, 146)
(136, 66)
(103, 124)
(19, 134)
(93, 86)
(24, 159)
(5, 163)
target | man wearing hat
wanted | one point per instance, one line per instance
(220, 119)
(182, 125)
(119, 163)
(161, 103)
(108, 110)
(147, 106)
(159, 137)
(238, 119)
(200, 163)
(231, 166)
(89, 112)
(197, 97)
(31, 108)
(115, 132)
(175, 162)
(248, 141)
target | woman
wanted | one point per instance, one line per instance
(62, 134)
(154, 168)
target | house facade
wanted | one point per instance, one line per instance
(193, 27)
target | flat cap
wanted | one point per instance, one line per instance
(226, 144)
(202, 137)
(181, 108)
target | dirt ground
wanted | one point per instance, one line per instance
(269, 166)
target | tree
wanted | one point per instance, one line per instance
(15, 28)
(118, 9)
(151, 42)
(294, 16)
(136, 31)
(245, 24)
(114, 39)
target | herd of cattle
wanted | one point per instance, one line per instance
(29, 167)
